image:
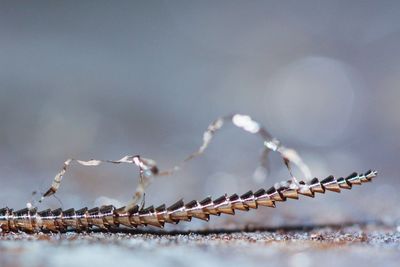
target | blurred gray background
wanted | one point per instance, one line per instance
(102, 79)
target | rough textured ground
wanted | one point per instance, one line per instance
(355, 244)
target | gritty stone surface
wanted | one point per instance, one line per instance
(355, 245)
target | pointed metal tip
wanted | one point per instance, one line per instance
(306, 191)
(353, 179)
(371, 174)
(343, 184)
(330, 183)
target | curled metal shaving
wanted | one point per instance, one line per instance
(148, 169)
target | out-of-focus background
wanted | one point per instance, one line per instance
(102, 79)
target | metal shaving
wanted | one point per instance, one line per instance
(148, 169)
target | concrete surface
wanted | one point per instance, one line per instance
(371, 244)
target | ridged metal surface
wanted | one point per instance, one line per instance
(109, 217)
